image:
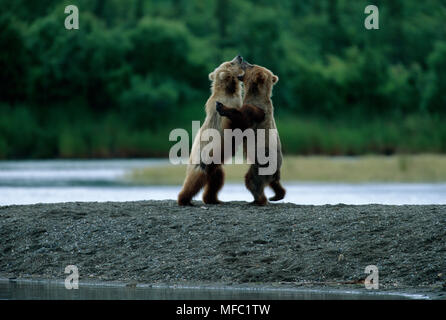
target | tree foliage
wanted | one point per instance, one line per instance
(146, 61)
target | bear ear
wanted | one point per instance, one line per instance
(211, 76)
(222, 75)
(275, 79)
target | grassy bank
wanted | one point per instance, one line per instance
(408, 134)
(402, 168)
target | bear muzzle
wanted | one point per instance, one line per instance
(238, 59)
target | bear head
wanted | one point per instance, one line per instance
(258, 80)
(226, 77)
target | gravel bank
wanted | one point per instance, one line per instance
(233, 243)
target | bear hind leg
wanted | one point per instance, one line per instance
(279, 191)
(256, 185)
(192, 185)
(214, 183)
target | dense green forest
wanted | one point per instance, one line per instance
(136, 69)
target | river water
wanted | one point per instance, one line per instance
(55, 290)
(52, 181)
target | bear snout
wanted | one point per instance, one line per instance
(238, 59)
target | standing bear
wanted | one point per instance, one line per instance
(226, 88)
(258, 82)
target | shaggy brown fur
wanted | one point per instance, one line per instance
(259, 82)
(245, 117)
(226, 87)
(242, 118)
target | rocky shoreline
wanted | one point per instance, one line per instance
(230, 244)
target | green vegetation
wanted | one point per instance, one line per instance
(402, 168)
(137, 69)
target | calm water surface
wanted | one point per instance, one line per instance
(29, 182)
(50, 290)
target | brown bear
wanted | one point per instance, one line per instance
(226, 88)
(258, 83)
(245, 117)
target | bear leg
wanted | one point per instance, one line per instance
(279, 191)
(256, 186)
(214, 182)
(195, 180)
